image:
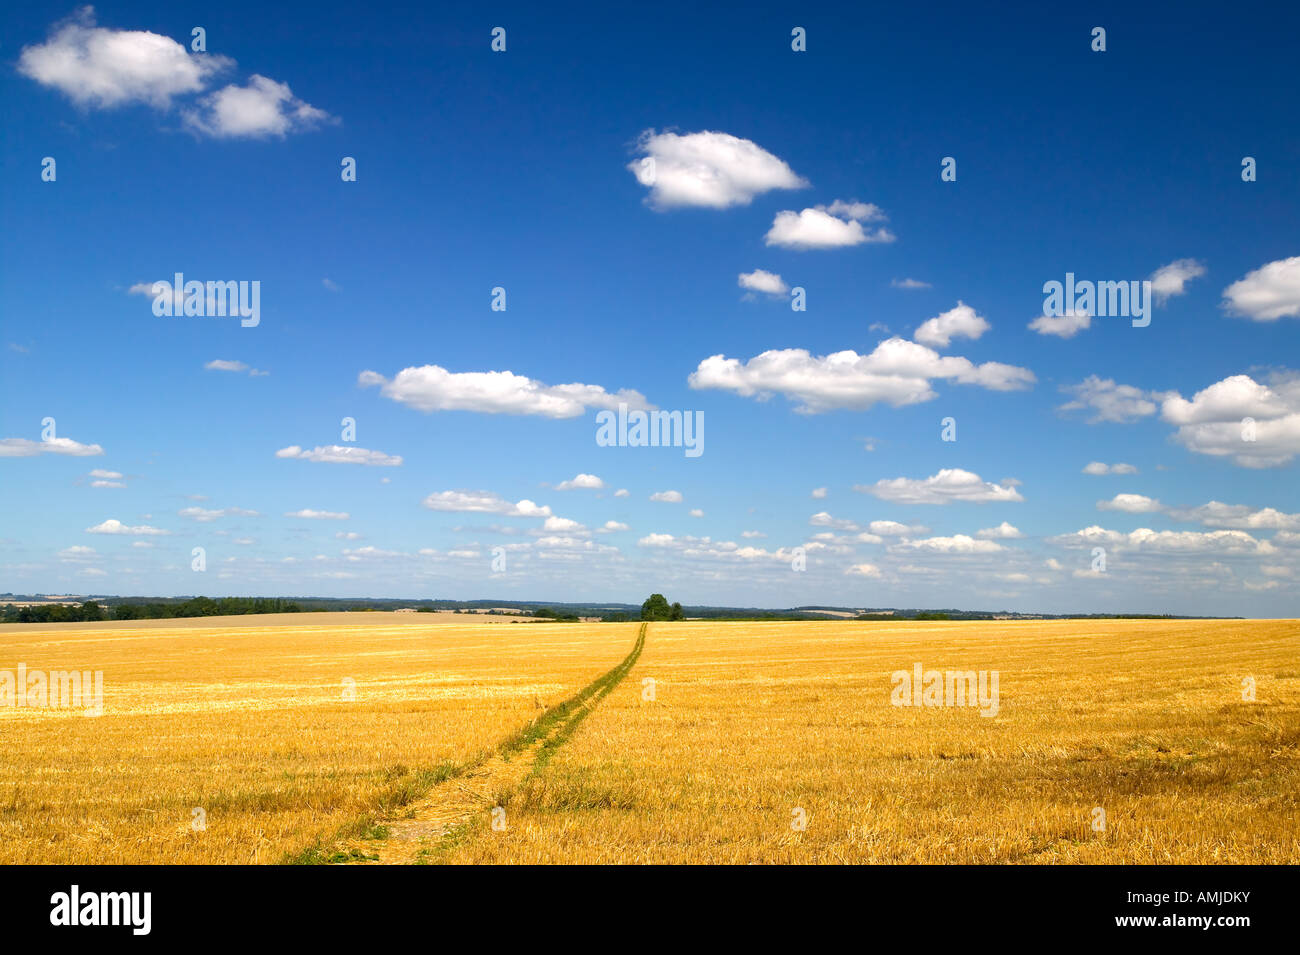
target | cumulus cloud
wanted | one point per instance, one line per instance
(1270, 292)
(950, 484)
(562, 525)
(1166, 542)
(958, 322)
(709, 169)
(341, 454)
(308, 514)
(828, 227)
(260, 109)
(667, 497)
(865, 570)
(96, 66)
(1003, 531)
(1131, 504)
(1109, 401)
(432, 388)
(581, 481)
(1237, 516)
(609, 527)
(114, 526)
(1170, 280)
(760, 281)
(25, 448)
(957, 544)
(1099, 468)
(908, 283)
(1256, 424)
(897, 372)
(622, 492)
(824, 519)
(818, 493)
(483, 502)
(1062, 326)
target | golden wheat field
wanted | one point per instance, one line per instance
(754, 721)
(251, 724)
(748, 742)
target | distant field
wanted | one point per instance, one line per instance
(314, 619)
(752, 729)
(245, 718)
(753, 721)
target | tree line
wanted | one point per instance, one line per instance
(91, 610)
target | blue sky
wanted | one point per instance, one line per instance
(521, 169)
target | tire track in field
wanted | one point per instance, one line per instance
(452, 804)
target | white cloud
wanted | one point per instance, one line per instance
(824, 519)
(102, 483)
(709, 169)
(581, 482)
(204, 515)
(562, 525)
(950, 484)
(818, 493)
(1062, 326)
(1166, 542)
(908, 283)
(622, 492)
(260, 109)
(114, 526)
(1131, 504)
(1238, 516)
(957, 544)
(25, 448)
(828, 227)
(751, 535)
(897, 372)
(1214, 422)
(348, 536)
(1270, 292)
(77, 554)
(312, 515)
(432, 388)
(758, 280)
(1099, 468)
(1109, 401)
(341, 454)
(483, 502)
(107, 475)
(609, 527)
(97, 66)
(895, 529)
(1003, 531)
(1169, 280)
(958, 322)
(865, 570)
(222, 364)
(667, 497)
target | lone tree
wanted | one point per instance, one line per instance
(656, 608)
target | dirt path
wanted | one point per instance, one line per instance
(451, 805)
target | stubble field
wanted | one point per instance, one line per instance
(716, 742)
